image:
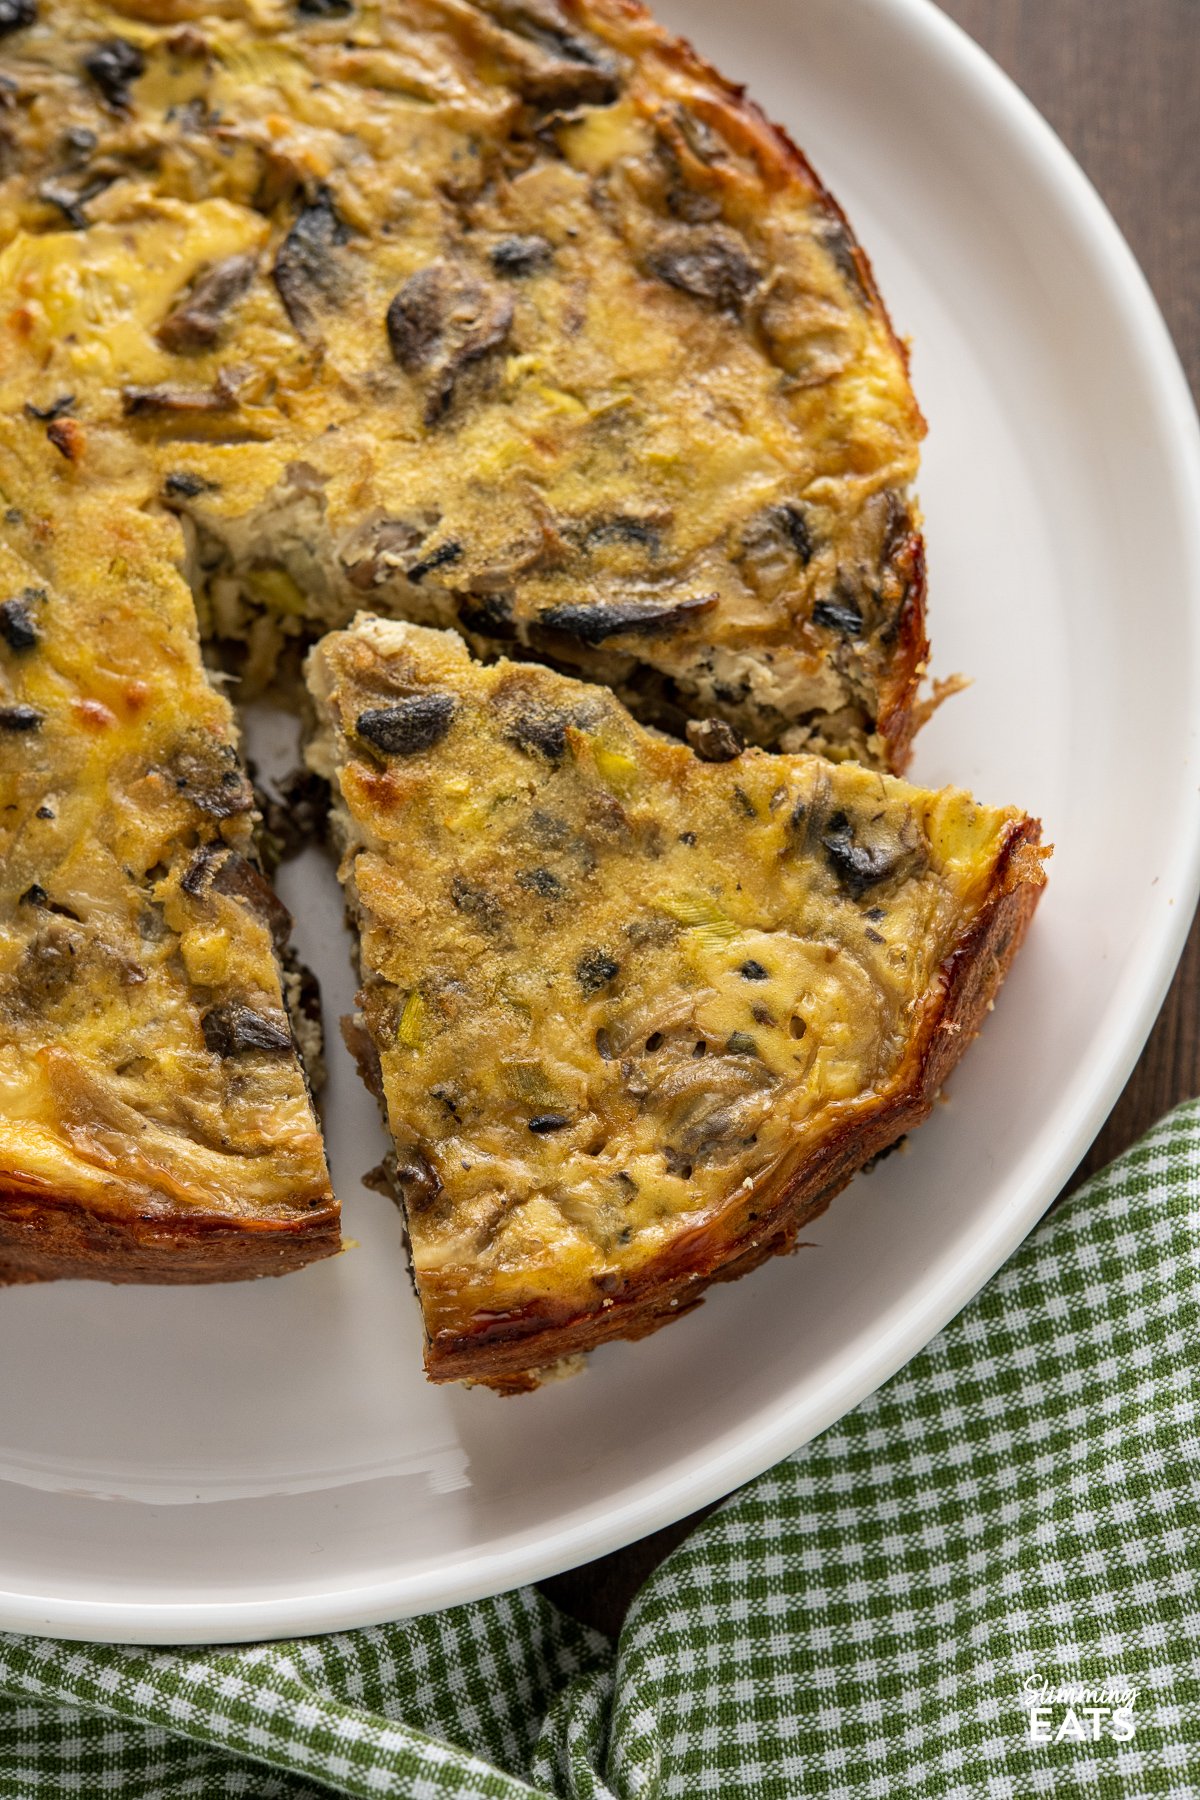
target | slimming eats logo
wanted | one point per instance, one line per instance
(1070, 1712)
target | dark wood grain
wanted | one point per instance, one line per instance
(1119, 80)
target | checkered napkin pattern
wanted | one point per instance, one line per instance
(981, 1585)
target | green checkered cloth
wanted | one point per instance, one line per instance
(981, 1585)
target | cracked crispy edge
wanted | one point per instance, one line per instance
(51, 1237)
(900, 712)
(507, 1352)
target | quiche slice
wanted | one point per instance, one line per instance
(155, 1123)
(634, 1016)
(512, 316)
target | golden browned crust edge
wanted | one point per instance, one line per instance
(899, 711)
(504, 1351)
(899, 715)
(54, 1238)
(773, 140)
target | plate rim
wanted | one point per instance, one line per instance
(708, 1474)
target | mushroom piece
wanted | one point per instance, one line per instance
(232, 1028)
(554, 63)
(307, 272)
(708, 262)
(442, 320)
(592, 622)
(114, 66)
(407, 726)
(195, 323)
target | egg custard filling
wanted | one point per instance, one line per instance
(512, 316)
(633, 1016)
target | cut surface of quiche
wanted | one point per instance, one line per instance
(513, 316)
(155, 1123)
(634, 1017)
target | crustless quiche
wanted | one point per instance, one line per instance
(513, 317)
(634, 1017)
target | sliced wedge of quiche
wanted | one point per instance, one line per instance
(513, 316)
(634, 1016)
(155, 1123)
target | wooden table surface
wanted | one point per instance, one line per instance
(1120, 82)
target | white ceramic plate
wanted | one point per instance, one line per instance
(247, 1462)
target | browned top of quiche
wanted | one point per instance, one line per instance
(634, 1015)
(511, 315)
